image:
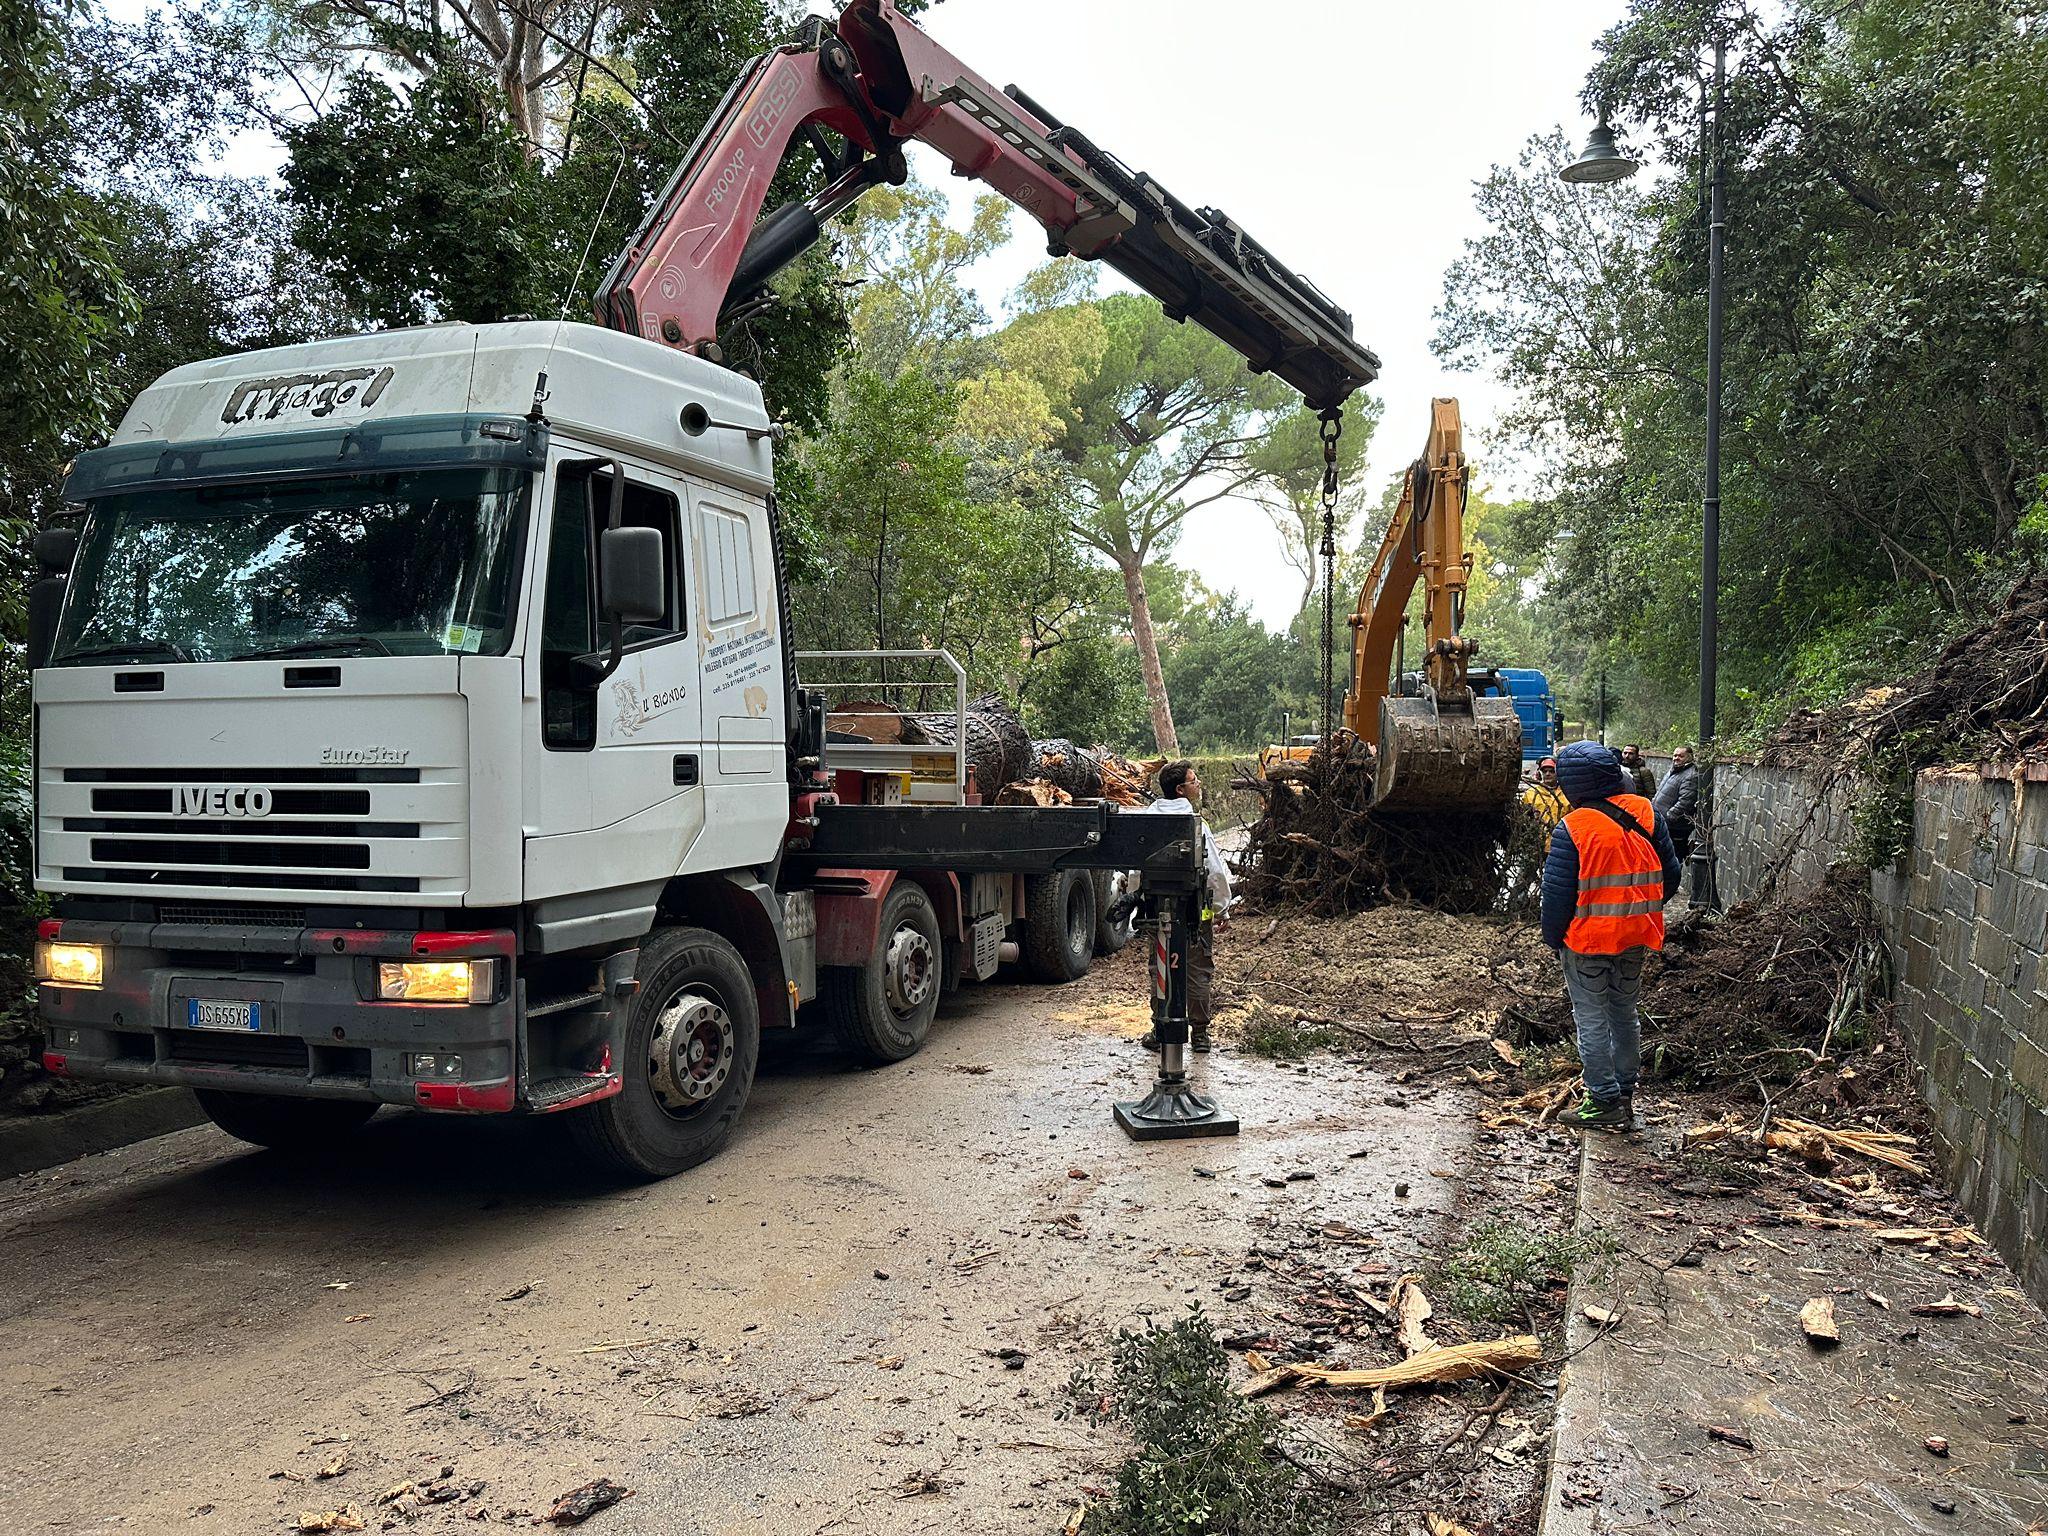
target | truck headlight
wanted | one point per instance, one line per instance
(436, 981)
(73, 965)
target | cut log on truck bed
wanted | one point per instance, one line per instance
(998, 746)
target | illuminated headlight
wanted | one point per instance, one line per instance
(74, 965)
(425, 1065)
(436, 981)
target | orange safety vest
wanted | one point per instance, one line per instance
(1621, 881)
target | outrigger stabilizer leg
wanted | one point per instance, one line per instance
(1172, 1109)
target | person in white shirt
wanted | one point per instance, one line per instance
(1180, 793)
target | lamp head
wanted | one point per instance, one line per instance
(1600, 162)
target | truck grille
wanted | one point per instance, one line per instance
(281, 1053)
(318, 829)
(221, 913)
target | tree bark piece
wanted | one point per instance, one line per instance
(1412, 1312)
(1817, 1322)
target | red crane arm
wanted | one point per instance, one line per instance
(878, 80)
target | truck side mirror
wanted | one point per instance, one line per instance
(45, 602)
(631, 583)
(55, 549)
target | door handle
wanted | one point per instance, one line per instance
(685, 767)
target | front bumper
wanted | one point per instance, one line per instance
(323, 1035)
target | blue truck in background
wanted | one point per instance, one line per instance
(1542, 720)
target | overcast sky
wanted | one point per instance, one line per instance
(1345, 135)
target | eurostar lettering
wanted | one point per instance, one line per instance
(364, 757)
(223, 800)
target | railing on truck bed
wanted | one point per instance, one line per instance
(933, 773)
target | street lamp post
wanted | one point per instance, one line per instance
(1601, 163)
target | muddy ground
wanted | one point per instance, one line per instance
(808, 1334)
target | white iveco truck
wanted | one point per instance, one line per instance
(417, 719)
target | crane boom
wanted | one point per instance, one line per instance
(875, 80)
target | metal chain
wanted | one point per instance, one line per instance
(1331, 429)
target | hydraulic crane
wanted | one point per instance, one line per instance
(1446, 747)
(856, 91)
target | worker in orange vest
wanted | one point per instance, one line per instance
(1611, 868)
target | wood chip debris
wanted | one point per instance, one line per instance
(347, 1518)
(1444, 1525)
(1817, 1322)
(1731, 1436)
(1599, 1317)
(1948, 1306)
(579, 1504)
(335, 1465)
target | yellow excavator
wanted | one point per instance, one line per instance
(1442, 746)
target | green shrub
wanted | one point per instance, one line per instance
(1206, 1462)
(1503, 1267)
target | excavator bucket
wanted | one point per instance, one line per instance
(1434, 758)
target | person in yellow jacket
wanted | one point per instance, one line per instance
(1610, 870)
(1544, 797)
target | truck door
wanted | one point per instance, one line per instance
(632, 741)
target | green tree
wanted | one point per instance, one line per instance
(1159, 419)
(1884, 430)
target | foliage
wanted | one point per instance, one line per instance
(1204, 1460)
(1884, 429)
(1282, 1035)
(1502, 1268)
(1287, 484)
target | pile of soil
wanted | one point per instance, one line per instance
(1390, 969)
(1986, 694)
(1318, 845)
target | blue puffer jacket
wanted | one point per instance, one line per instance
(1587, 771)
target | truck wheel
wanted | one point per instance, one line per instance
(1059, 925)
(692, 1041)
(1113, 934)
(280, 1123)
(883, 1010)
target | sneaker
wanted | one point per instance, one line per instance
(1199, 1038)
(1149, 1040)
(1598, 1114)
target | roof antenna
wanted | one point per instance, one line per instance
(540, 384)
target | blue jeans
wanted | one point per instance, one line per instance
(1603, 990)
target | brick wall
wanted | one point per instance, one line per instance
(1966, 916)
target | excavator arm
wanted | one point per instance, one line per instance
(874, 81)
(1445, 747)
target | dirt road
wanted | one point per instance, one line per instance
(800, 1337)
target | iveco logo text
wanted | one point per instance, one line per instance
(363, 757)
(223, 800)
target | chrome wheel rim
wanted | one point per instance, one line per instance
(691, 1053)
(909, 970)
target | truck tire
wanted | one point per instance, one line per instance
(1113, 935)
(883, 1010)
(691, 1043)
(280, 1123)
(1059, 925)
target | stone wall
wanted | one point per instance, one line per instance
(1965, 914)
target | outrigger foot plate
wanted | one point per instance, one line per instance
(1172, 1111)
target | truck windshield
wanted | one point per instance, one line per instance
(417, 563)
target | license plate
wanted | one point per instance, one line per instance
(201, 1014)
